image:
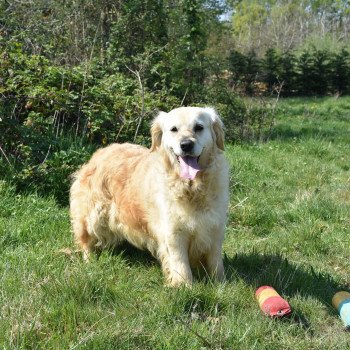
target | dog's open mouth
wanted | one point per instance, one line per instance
(189, 167)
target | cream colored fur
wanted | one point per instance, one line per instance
(128, 192)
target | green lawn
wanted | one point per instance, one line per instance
(289, 227)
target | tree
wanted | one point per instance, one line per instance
(66, 32)
(238, 67)
(140, 25)
(252, 72)
(188, 42)
(288, 73)
(304, 73)
(320, 71)
(271, 69)
(340, 69)
(286, 24)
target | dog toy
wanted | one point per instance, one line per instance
(271, 303)
(341, 301)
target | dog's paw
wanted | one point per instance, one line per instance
(177, 281)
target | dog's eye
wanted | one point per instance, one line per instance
(173, 129)
(198, 127)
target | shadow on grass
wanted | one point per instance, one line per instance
(288, 279)
(256, 269)
(133, 255)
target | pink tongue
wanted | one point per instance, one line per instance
(189, 167)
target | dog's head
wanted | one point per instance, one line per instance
(189, 136)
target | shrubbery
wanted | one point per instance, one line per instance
(102, 76)
(53, 117)
(311, 72)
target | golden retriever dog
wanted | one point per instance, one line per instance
(171, 199)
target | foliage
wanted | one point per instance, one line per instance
(340, 71)
(54, 116)
(271, 66)
(244, 70)
(75, 76)
(247, 120)
(288, 75)
(312, 72)
(289, 24)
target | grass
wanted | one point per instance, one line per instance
(288, 227)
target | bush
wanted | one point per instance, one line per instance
(311, 72)
(245, 119)
(53, 117)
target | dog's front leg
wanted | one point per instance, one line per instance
(213, 257)
(175, 262)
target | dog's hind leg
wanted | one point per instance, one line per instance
(85, 241)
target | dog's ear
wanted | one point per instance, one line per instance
(156, 131)
(218, 127)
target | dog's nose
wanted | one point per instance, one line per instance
(187, 145)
